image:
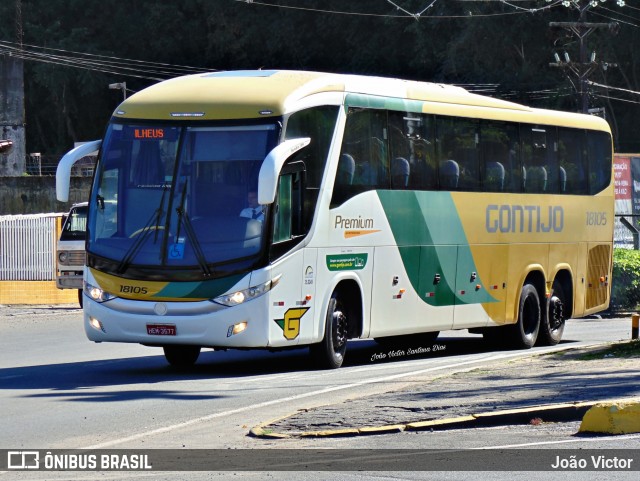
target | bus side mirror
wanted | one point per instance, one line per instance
(271, 166)
(63, 172)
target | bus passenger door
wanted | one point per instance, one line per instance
(291, 316)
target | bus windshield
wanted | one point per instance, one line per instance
(183, 197)
(75, 225)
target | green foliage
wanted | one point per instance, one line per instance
(625, 287)
(626, 350)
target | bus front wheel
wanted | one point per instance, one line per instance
(329, 354)
(523, 334)
(181, 356)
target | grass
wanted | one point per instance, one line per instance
(626, 349)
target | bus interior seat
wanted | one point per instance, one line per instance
(536, 179)
(367, 174)
(346, 169)
(563, 180)
(449, 174)
(495, 176)
(400, 173)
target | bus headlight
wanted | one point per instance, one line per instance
(238, 297)
(62, 257)
(96, 293)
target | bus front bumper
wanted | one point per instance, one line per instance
(200, 323)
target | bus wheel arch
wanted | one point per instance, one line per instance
(342, 321)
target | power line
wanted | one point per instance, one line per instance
(613, 88)
(620, 13)
(106, 64)
(408, 15)
(70, 54)
(616, 98)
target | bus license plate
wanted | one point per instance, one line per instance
(161, 330)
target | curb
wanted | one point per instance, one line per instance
(622, 417)
(615, 416)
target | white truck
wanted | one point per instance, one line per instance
(71, 253)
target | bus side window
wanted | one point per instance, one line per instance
(540, 165)
(572, 159)
(282, 219)
(317, 123)
(599, 154)
(411, 148)
(499, 163)
(458, 145)
(366, 142)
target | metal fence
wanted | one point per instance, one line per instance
(28, 247)
(46, 165)
(625, 233)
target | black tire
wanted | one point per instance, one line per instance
(329, 354)
(552, 325)
(80, 297)
(181, 356)
(524, 333)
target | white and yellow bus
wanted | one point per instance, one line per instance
(278, 209)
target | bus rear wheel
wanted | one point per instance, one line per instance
(552, 326)
(329, 354)
(181, 356)
(523, 334)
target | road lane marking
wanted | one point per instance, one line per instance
(564, 441)
(209, 417)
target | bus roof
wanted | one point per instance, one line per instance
(247, 94)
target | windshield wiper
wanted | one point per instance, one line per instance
(183, 218)
(144, 234)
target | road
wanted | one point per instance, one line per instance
(60, 391)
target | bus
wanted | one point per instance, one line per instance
(386, 209)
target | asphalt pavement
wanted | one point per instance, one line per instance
(561, 386)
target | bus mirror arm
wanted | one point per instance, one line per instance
(271, 166)
(63, 172)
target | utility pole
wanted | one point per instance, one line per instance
(12, 124)
(586, 64)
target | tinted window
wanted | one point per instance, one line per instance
(457, 149)
(318, 124)
(412, 151)
(572, 161)
(500, 153)
(364, 158)
(599, 153)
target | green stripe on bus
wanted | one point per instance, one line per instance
(386, 103)
(434, 248)
(199, 290)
